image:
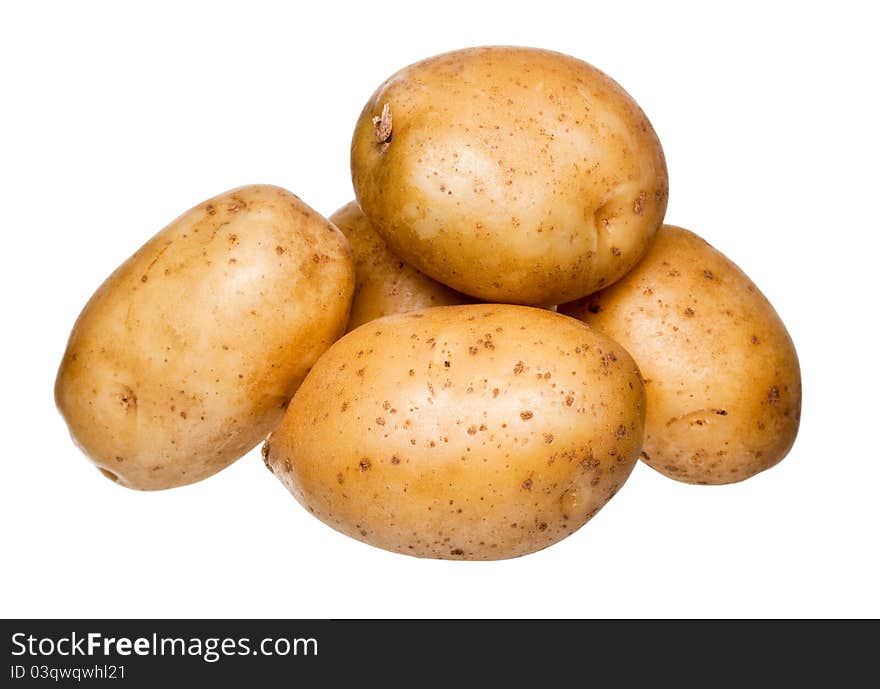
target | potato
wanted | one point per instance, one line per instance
(721, 372)
(187, 355)
(474, 432)
(383, 283)
(510, 174)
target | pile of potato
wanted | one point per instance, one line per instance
(521, 326)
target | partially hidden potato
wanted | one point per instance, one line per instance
(474, 432)
(383, 283)
(187, 355)
(721, 372)
(510, 174)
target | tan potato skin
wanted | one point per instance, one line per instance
(187, 355)
(721, 372)
(474, 432)
(510, 174)
(383, 283)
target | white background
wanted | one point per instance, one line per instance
(116, 119)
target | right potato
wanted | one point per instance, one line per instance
(721, 372)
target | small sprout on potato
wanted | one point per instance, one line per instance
(383, 126)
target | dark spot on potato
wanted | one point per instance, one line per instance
(472, 430)
(210, 209)
(395, 459)
(518, 368)
(589, 462)
(594, 308)
(548, 438)
(542, 526)
(615, 251)
(343, 406)
(689, 312)
(673, 273)
(109, 474)
(773, 395)
(364, 464)
(233, 238)
(721, 412)
(143, 278)
(569, 400)
(183, 415)
(456, 551)
(526, 415)
(495, 392)
(279, 250)
(608, 359)
(447, 364)
(128, 399)
(486, 341)
(340, 479)
(620, 432)
(756, 340)
(638, 205)
(708, 274)
(527, 484)
(380, 421)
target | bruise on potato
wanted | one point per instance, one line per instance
(510, 174)
(384, 284)
(474, 432)
(188, 354)
(721, 372)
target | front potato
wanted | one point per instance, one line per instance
(473, 432)
(187, 355)
(721, 372)
(510, 174)
(383, 283)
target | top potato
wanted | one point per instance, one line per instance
(187, 355)
(510, 174)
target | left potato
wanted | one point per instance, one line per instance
(187, 355)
